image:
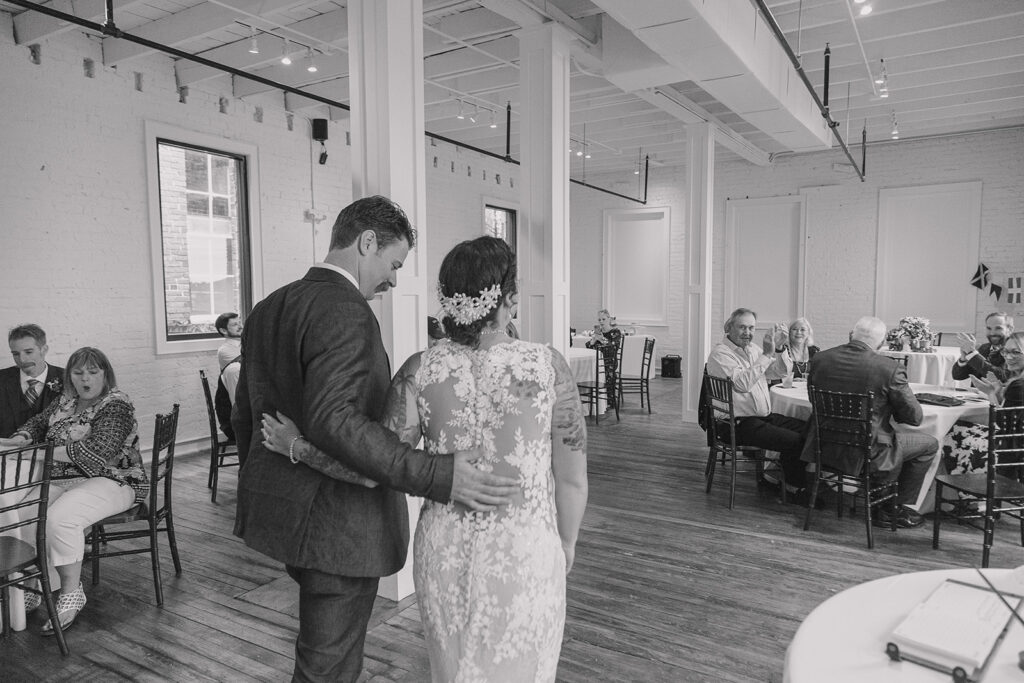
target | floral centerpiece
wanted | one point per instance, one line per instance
(917, 332)
(894, 338)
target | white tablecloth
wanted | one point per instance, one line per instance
(843, 640)
(937, 420)
(579, 341)
(25, 533)
(584, 368)
(935, 367)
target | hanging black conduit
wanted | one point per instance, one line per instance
(109, 28)
(822, 107)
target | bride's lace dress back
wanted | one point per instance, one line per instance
(491, 586)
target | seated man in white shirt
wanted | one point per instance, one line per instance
(750, 367)
(229, 326)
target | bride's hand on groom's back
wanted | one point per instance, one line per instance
(481, 491)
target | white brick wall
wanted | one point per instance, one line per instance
(74, 224)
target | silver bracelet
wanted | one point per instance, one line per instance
(291, 450)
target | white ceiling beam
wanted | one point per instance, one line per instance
(187, 25)
(331, 27)
(30, 27)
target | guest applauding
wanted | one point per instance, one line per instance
(965, 447)
(97, 470)
(981, 360)
(607, 337)
(800, 348)
(750, 368)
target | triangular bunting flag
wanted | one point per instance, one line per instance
(981, 276)
(995, 290)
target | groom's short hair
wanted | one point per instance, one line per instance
(386, 218)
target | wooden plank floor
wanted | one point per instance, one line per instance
(669, 585)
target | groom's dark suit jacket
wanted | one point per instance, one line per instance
(14, 412)
(312, 350)
(857, 369)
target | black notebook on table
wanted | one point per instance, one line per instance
(939, 400)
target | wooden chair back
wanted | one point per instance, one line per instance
(158, 513)
(24, 496)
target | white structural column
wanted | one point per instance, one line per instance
(543, 249)
(700, 180)
(388, 158)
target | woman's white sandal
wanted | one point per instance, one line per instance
(68, 605)
(32, 601)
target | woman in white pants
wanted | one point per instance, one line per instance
(97, 468)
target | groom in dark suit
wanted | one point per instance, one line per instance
(31, 384)
(858, 368)
(313, 351)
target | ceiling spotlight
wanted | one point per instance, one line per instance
(312, 65)
(865, 10)
(884, 92)
(254, 46)
(587, 155)
(476, 112)
(879, 81)
(285, 59)
(461, 115)
(494, 124)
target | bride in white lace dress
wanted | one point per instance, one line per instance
(491, 585)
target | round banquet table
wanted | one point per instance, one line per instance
(934, 367)
(937, 421)
(843, 639)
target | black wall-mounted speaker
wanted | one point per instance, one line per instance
(319, 129)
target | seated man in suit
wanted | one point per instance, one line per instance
(978, 361)
(31, 384)
(856, 367)
(749, 367)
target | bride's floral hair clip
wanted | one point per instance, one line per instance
(465, 310)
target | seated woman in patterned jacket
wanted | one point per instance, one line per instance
(97, 469)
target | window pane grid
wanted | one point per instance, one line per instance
(204, 230)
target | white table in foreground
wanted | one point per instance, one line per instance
(933, 367)
(937, 421)
(843, 639)
(25, 533)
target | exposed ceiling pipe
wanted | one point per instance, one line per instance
(109, 28)
(781, 37)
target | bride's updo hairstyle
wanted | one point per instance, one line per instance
(475, 277)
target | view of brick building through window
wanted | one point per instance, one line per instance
(203, 228)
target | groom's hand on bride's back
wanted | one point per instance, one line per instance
(481, 491)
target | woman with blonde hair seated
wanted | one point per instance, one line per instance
(97, 469)
(800, 346)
